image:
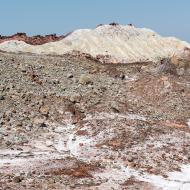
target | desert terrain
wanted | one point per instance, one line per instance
(75, 115)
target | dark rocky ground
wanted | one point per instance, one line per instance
(74, 123)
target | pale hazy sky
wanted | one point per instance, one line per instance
(167, 17)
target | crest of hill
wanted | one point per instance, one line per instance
(114, 43)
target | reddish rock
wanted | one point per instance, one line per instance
(34, 40)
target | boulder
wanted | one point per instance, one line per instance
(166, 66)
(181, 61)
(178, 64)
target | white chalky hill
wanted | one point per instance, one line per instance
(122, 43)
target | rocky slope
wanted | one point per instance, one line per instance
(34, 40)
(70, 122)
(109, 43)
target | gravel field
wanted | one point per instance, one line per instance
(69, 122)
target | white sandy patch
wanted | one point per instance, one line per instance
(65, 142)
(118, 174)
(175, 180)
(25, 159)
(104, 116)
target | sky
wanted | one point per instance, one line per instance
(167, 17)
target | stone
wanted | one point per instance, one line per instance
(181, 71)
(43, 125)
(8, 143)
(44, 110)
(23, 70)
(3, 132)
(49, 143)
(69, 75)
(122, 76)
(167, 84)
(130, 158)
(85, 79)
(2, 97)
(56, 81)
(18, 179)
(75, 98)
(115, 107)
